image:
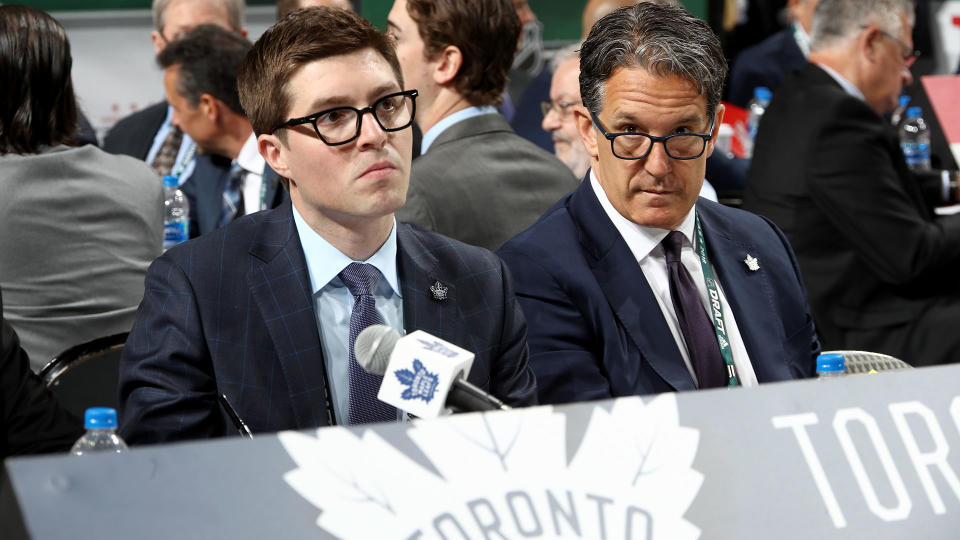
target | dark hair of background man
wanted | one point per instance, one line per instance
(208, 58)
(486, 32)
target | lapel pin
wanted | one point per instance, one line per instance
(752, 263)
(439, 291)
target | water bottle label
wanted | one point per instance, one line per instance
(175, 232)
(917, 155)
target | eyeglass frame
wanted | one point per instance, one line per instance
(312, 118)
(562, 107)
(654, 140)
(908, 59)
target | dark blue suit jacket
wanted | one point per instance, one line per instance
(232, 312)
(596, 330)
(765, 64)
(204, 189)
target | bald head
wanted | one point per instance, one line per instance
(596, 9)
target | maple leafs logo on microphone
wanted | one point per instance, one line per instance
(421, 384)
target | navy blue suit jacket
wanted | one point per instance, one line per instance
(595, 328)
(204, 189)
(765, 64)
(232, 312)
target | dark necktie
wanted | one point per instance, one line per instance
(232, 204)
(695, 325)
(166, 157)
(361, 279)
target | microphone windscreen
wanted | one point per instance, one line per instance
(373, 347)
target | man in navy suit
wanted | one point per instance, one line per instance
(631, 284)
(264, 310)
(149, 134)
(200, 76)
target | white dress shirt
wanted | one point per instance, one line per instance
(644, 243)
(253, 164)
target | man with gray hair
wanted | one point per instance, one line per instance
(828, 169)
(631, 284)
(149, 134)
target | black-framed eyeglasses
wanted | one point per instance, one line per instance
(909, 55)
(562, 108)
(636, 145)
(341, 125)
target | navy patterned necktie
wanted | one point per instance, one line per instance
(361, 279)
(232, 203)
(698, 332)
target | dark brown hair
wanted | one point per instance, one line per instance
(302, 37)
(37, 103)
(209, 58)
(485, 31)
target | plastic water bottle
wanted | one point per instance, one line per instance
(756, 107)
(830, 366)
(176, 216)
(901, 111)
(915, 140)
(101, 435)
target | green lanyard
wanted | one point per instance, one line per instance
(716, 308)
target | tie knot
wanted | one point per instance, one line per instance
(671, 246)
(360, 278)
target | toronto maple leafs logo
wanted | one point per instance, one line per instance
(421, 384)
(485, 468)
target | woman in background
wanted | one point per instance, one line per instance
(78, 226)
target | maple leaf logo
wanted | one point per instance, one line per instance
(421, 384)
(508, 470)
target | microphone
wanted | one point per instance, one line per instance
(422, 373)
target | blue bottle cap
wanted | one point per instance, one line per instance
(762, 93)
(100, 418)
(171, 181)
(830, 362)
(903, 100)
(914, 112)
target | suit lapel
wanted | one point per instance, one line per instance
(627, 292)
(748, 293)
(280, 286)
(418, 271)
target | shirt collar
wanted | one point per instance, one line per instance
(249, 157)
(801, 37)
(848, 86)
(639, 238)
(459, 116)
(325, 262)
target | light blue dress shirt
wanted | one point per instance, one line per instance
(459, 116)
(186, 147)
(333, 303)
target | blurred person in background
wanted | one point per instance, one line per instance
(768, 62)
(476, 180)
(828, 169)
(78, 226)
(32, 419)
(284, 7)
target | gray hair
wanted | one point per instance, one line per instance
(661, 39)
(836, 21)
(564, 54)
(235, 11)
